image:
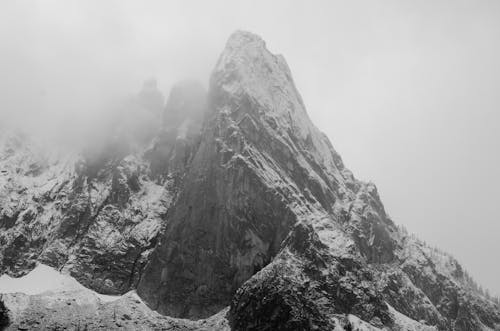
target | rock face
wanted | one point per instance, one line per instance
(238, 201)
(4, 316)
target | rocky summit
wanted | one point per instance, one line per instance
(237, 213)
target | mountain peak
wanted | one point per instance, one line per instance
(241, 38)
(246, 55)
(261, 83)
(238, 200)
(246, 68)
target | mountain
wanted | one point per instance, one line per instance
(237, 201)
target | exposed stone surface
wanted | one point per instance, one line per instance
(238, 201)
(4, 316)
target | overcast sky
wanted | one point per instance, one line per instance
(407, 91)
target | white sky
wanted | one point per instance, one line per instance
(406, 90)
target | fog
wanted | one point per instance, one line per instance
(406, 90)
(65, 64)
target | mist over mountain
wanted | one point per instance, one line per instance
(219, 207)
(405, 90)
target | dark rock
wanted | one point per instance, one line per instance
(4, 316)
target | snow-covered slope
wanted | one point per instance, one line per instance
(48, 299)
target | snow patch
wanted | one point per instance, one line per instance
(406, 323)
(358, 324)
(45, 279)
